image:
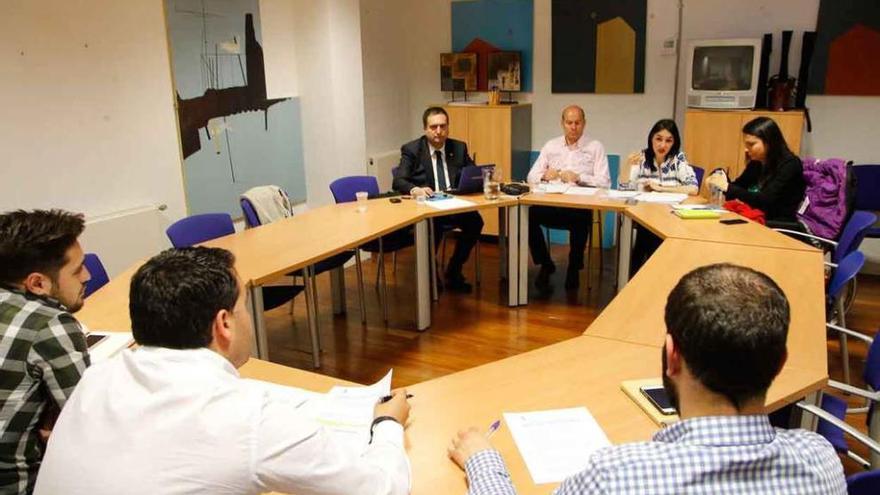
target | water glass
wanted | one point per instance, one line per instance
(491, 183)
(361, 201)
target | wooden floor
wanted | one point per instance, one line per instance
(470, 330)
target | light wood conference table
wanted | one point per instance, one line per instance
(623, 343)
(265, 253)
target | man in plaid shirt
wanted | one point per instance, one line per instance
(725, 343)
(43, 350)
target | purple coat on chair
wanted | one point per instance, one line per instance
(825, 204)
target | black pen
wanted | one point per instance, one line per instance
(389, 397)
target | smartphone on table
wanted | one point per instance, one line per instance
(733, 221)
(656, 394)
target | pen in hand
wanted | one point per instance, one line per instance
(493, 428)
(386, 398)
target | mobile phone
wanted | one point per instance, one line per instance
(394, 200)
(92, 340)
(657, 395)
(733, 221)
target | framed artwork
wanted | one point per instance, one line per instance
(505, 71)
(458, 71)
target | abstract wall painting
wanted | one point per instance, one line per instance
(488, 26)
(598, 46)
(847, 43)
(458, 71)
(232, 136)
(505, 71)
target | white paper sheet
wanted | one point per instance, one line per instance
(661, 197)
(449, 203)
(109, 346)
(614, 193)
(552, 188)
(348, 411)
(698, 207)
(581, 191)
(555, 443)
(293, 396)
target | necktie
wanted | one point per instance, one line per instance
(438, 171)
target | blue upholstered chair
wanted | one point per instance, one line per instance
(252, 220)
(196, 229)
(343, 190)
(98, 274)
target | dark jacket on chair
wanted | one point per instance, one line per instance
(417, 170)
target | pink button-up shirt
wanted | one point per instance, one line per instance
(586, 158)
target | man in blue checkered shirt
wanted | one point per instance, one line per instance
(725, 343)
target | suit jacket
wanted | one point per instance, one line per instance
(416, 170)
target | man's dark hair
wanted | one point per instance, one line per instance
(433, 111)
(36, 241)
(730, 324)
(175, 296)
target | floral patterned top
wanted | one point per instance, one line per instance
(675, 171)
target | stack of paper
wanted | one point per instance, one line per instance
(449, 203)
(661, 197)
(555, 444)
(552, 188)
(581, 191)
(618, 194)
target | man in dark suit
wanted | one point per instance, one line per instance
(431, 163)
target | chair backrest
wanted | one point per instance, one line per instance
(853, 234)
(867, 483)
(699, 172)
(867, 187)
(98, 273)
(835, 436)
(199, 228)
(846, 270)
(344, 188)
(251, 219)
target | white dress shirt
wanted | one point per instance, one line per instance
(586, 158)
(168, 421)
(442, 151)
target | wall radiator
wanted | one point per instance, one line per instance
(380, 166)
(124, 237)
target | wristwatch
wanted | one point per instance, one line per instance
(378, 420)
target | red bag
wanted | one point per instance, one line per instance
(745, 210)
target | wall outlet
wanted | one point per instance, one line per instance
(669, 46)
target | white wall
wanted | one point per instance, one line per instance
(88, 122)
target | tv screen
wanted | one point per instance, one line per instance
(504, 71)
(722, 68)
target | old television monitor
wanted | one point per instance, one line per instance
(723, 73)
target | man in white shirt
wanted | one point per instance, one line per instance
(173, 416)
(573, 158)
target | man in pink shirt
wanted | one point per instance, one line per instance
(576, 159)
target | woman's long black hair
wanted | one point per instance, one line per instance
(775, 147)
(663, 125)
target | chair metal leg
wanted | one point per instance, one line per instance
(311, 316)
(477, 263)
(360, 277)
(844, 350)
(384, 282)
(381, 263)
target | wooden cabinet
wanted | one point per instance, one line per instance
(499, 134)
(713, 138)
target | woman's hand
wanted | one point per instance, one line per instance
(718, 181)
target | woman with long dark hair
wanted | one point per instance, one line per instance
(661, 167)
(773, 180)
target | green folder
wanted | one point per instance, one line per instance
(697, 214)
